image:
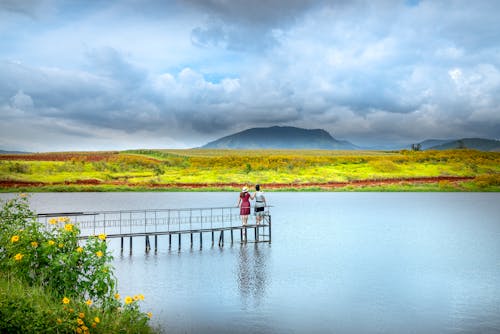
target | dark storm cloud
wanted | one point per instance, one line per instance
(31, 8)
(109, 100)
(194, 70)
(246, 25)
(264, 13)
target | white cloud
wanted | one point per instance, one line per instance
(366, 71)
(21, 101)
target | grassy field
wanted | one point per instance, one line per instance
(201, 169)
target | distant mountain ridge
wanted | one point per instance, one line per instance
(281, 137)
(12, 152)
(480, 144)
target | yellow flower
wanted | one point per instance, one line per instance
(78, 330)
(149, 315)
(97, 320)
(61, 245)
(88, 302)
(94, 324)
(68, 227)
(23, 195)
(139, 297)
(128, 300)
(99, 254)
(34, 244)
(18, 257)
(79, 321)
(52, 221)
(71, 310)
(85, 328)
(52, 242)
(81, 315)
(61, 219)
(102, 236)
(15, 238)
(117, 296)
(65, 300)
(79, 249)
(59, 321)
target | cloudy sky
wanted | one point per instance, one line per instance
(96, 75)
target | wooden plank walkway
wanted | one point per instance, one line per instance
(172, 222)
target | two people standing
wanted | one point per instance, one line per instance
(244, 204)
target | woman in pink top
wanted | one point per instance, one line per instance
(244, 204)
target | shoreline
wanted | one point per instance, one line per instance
(432, 183)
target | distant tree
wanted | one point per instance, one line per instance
(416, 147)
(248, 168)
(461, 144)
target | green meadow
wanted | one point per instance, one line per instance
(202, 169)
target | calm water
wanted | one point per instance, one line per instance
(339, 263)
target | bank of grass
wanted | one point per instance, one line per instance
(35, 309)
(52, 282)
(151, 170)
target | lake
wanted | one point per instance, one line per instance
(338, 263)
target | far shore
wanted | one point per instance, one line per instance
(230, 170)
(438, 183)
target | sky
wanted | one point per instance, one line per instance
(114, 75)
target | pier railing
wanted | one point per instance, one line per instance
(154, 222)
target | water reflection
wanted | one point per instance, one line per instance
(253, 277)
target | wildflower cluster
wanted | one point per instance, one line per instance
(84, 318)
(77, 272)
(52, 255)
(81, 317)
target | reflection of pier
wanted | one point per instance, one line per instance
(171, 222)
(252, 275)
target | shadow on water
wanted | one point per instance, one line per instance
(252, 275)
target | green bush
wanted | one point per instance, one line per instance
(52, 282)
(30, 309)
(52, 256)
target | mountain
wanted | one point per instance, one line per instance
(474, 143)
(281, 137)
(427, 144)
(11, 152)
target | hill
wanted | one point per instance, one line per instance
(473, 143)
(281, 137)
(429, 143)
(11, 152)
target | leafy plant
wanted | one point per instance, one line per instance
(74, 275)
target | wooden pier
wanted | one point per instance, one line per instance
(222, 224)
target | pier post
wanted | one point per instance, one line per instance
(156, 243)
(221, 239)
(169, 241)
(191, 240)
(131, 245)
(231, 236)
(121, 245)
(201, 240)
(269, 228)
(179, 241)
(212, 237)
(148, 245)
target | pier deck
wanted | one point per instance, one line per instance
(171, 222)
